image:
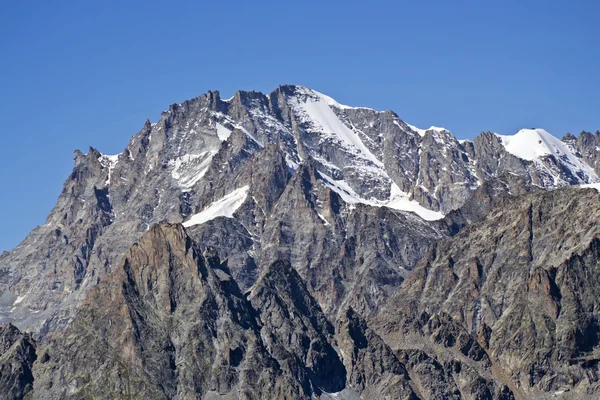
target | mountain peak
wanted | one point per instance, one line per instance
(535, 144)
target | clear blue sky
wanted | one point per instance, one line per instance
(81, 73)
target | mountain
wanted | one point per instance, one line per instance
(516, 293)
(288, 246)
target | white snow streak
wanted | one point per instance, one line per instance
(319, 113)
(108, 162)
(224, 207)
(398, 200)
(190, 168)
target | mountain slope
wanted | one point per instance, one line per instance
(206, 149)
(168, 323)
(288, 246)
(519, 288)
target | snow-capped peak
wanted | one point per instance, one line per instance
(329, 100)
(536, 144)
(315, 109)
(531, 144)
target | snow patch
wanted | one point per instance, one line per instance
(293, 165)
(190, 168)
(591, 185)
(531, 144)
(224, 207)
(108, 162)
(222, 132)
(226, 118)
(318, 112)
(398, 199)
(423, 131)
(401, 201)
(332, 102)
(325, 222)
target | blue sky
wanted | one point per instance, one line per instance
(81, 73)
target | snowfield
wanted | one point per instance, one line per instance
(224, 207)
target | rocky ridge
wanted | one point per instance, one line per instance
(304, 219)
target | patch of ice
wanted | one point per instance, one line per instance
(438, 129)
(222, 132)
(531, 144)
(291, 163)
(325, 222)
(190, 168)
(591, 185)
(332, 102)
(224, 207)
(224, 117)
(400, 201)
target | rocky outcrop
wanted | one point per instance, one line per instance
(374, 370)
(587, 145)
(333, 251)
(515, 293)
(504, 309)
(295, 330)
(17, 355)
(169, 323)
(205, 148)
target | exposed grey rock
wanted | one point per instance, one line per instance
(511, 288)
(295, 330)
(17, 355)
(587, 146)
(373, 369)
(169, 323)
(355, 256)
(206, 147)
(501, 303)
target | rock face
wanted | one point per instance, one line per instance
(17, 355)
(171, 323)
(587, 146)
(373, 369)
(515, 293)
(292, 148)
(295, 330)
(288, 246)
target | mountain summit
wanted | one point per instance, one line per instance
(249, 245)
(208, 158)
